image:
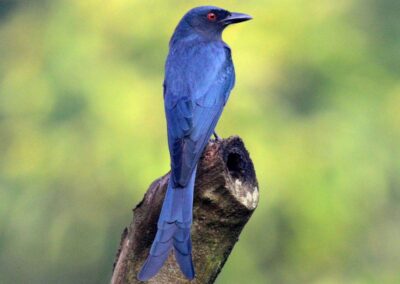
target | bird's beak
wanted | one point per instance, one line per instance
(234, 18)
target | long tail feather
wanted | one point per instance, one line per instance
(173, 231)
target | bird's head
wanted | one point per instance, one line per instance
(210, 21)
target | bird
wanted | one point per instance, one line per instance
(199, 76)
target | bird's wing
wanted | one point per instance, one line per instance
(194, 99)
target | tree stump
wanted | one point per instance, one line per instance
(226, 195)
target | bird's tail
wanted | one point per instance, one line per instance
(173, 231)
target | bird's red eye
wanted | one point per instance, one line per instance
(211, 17)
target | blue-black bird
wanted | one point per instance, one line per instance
(199, 76)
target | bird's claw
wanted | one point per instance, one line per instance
(217, 137)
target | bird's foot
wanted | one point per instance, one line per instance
(217, 137)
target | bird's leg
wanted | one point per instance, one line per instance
(217, 138)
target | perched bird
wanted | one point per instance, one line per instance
(199, 76)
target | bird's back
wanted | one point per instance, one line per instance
(199, 77)
(193, 66)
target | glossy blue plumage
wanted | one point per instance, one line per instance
(199, 76)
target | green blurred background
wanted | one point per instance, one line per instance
(82, 135)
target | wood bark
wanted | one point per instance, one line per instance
(226, 195)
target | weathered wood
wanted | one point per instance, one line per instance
(226, 194)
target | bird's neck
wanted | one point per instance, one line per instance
(185, 32)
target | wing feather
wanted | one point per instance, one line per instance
(194, 105)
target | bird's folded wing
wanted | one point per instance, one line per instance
(193, 115)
